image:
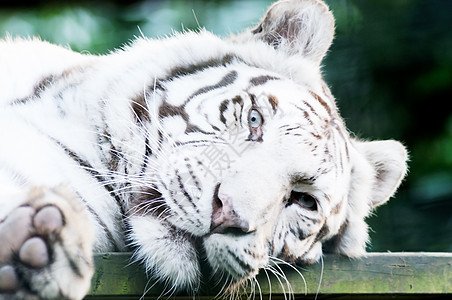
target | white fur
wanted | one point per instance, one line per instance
(88, 109)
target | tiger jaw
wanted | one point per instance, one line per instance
(232, 256)
(236, 257)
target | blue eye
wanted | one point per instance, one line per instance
(255, 119)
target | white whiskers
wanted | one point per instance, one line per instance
(321, 277)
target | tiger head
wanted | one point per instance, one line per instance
(249, 158)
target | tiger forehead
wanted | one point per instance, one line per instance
(285, 94)
(266, 90)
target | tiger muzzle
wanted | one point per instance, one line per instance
(225, 219)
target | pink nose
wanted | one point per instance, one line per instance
(224, 217)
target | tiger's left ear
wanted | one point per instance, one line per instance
(378, 169)
(298, 27)
(388, 161)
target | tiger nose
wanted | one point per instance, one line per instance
(225, 219)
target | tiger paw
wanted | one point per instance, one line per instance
(46, 248)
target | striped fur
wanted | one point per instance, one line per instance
(193, 147)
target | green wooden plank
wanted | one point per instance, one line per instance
(115, 275)
(376, 274)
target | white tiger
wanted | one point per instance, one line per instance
(181, 149)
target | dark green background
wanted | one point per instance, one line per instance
(390, 68)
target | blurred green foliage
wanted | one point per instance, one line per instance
(390, 68)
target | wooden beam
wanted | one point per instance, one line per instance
(402, 275)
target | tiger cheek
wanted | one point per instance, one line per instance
(294, 249)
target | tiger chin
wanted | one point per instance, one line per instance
(188, 150)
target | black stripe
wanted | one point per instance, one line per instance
(197, 143)
(253, 254)
(184, 191)
(331, 245)
(306, 114)
(158, 84)
(308, 118)
(260, 80)
(73, 264)
(172, 197)
(140, 109)
(147, 154)
(99, 220)
(253, 99)
(324, 231)
(228, 79)
(245, 266)
(312, 220)
(201, 66)
(238, 100)
(311, 109)
(301, 259)
(300, 178)
(193, 175)
(149, 201)
(88, 168)
(291, 128)
(40, 87)
(321, 101)
(102, 224)
(105, 138)
(223, 108)
(299, 233)
(168, 110)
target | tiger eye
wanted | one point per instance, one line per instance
(255, 119)
(304, 200)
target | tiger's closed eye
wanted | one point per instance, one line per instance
(304, 200)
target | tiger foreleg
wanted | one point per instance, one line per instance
(46, 247)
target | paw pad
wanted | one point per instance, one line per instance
(48, 220)
(46, 247)
(8, 279)
(34, 253)
(25, 232)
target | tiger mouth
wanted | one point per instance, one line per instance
(233, 278)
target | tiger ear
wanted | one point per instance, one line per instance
(388, 162)
(378, 169)
(298, 27)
